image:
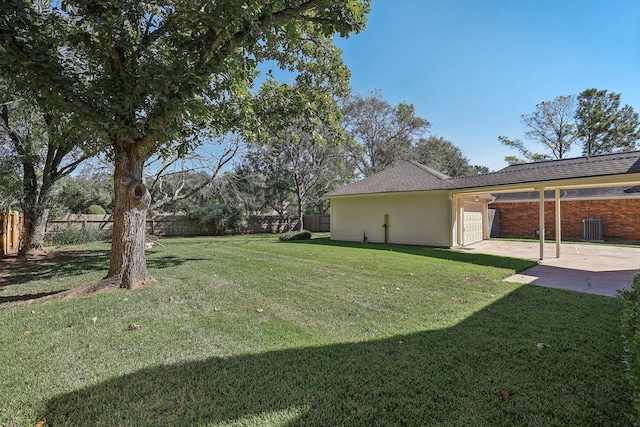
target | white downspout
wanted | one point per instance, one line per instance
(558, 223)
(541, 225)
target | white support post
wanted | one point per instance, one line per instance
(558, 224)
(460, 220)
(541, 225)
(485, 221)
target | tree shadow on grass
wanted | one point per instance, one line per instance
(65, 263)
(168, 261)
(516, 264)
(60, 263)
(441, 377)
(26, 297)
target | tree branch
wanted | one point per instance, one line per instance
(278, 16)
(13, 135)
(115, 56)
(293, 11)
(223, 160)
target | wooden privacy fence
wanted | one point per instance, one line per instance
(157, 225)
(10, 231)
(161, 225)
(176, 225)
(317, 223)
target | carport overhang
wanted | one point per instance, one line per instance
(627, 179)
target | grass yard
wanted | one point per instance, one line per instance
(249, 331)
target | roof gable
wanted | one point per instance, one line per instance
(407, 176)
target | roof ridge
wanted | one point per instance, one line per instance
(433, 172)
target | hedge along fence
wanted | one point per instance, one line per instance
(176, 225)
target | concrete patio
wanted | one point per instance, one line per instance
(590, 268)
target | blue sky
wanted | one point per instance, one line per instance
(472, 68)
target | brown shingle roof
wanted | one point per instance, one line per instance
(408, 176)
(554, 170)
(412, 176)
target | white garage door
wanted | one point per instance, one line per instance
(472, 222)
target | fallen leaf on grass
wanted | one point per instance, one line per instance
(27, 332)
(41, 424)
(504, 393)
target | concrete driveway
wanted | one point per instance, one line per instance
(595, 269)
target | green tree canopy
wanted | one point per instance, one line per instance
(594, 119)
(306, 154)
(75, 194)
(552, 125)
(384, 134)
(603, 126)
(40, 148)
(443, 156)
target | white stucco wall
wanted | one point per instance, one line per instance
(414, 218)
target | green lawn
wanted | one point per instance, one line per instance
(249, 331)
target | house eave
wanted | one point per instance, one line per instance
(387, 193)
(585, 182)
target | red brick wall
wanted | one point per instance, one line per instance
(620, 218)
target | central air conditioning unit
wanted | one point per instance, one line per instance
(592, 230)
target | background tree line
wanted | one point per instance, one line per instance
(227, 178)
(594, 120)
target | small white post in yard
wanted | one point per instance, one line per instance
(541, 226)
(558, 224)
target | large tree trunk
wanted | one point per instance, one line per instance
(128, 265)
(35, 207)
(35, 226)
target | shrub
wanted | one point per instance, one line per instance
(295, 235)
(70, 236)
(631, 337)
(96, 210)
(223, 218)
